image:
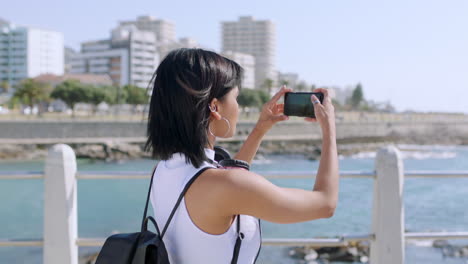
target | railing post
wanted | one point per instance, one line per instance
(388, 209)
(60, 208)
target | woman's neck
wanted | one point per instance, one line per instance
(211, 142)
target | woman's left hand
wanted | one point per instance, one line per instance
(272, 112)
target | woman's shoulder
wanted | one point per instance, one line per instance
(222, 182)
(226, 177)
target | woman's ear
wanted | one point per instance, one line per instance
(214, 109)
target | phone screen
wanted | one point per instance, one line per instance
(299, 104)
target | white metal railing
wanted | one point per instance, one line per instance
(387, 238)
(24, 175)
(321, 242)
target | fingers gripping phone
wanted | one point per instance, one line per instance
(300, 104)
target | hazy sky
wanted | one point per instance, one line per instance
(413, 53)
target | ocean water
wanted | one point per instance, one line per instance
(107, 206)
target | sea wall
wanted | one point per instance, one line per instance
(102, 131)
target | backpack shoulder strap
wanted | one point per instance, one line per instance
(240, 235)
(180, 198)
(147, 200)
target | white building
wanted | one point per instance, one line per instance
(163, 29)
(26, 52)
(128, 57)
(3, 22)
(255, 37)
(69, 54)
(182, 43)
(247, 62)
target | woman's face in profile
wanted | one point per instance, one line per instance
(229, 108)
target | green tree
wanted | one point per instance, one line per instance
(367, 107)
(357, 97)
(284, 82)
(135, 95)
(249, 98)
(268, 85)
(121, 95)
(13, 102)
(114, 94)
(96, 95)
(313, 87)
(71, 92)
(5, 87)
(301, 87)
(30, 92)
(264, 97)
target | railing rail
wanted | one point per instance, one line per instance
(322, 242)
(87, 175)
(386, 239)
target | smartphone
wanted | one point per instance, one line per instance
(300, 104)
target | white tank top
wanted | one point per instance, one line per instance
(184, 241)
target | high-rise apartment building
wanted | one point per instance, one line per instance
(165, 34)
(163, 29)
(182, 43)
(69, 54)
(3, 22)
(255, 37)
(27, 52)
(128, 57)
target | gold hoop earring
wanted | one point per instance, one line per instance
(227, 132)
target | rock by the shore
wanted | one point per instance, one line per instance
(449, 250)
(91, 151)
(118, 151)
(109, 151)
(22, 152)
(353, 252)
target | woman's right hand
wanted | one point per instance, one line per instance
(324, 113)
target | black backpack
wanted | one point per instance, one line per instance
(146, 247)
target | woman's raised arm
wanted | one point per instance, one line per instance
(245, 192)
(271, 114)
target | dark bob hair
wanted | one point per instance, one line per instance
(183, 85)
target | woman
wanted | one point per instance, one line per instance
(193, 102)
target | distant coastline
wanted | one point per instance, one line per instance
(310, 149)
(121, 140)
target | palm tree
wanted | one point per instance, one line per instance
(268, 85)
(301, 87)
(358, 96)
(284, 82)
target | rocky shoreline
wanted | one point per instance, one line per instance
(115, 151)
(353, 252)
(358, 252)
